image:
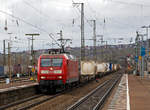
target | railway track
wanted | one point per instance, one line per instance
(29, 102)
(96, 98)
(39, 99)
(20, 102)
(46, 98)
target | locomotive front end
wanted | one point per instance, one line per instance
(50, 71)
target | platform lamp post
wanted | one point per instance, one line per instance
(136, 51)
(106, 57)
(147, 44)
(9, 56)
(142, 52)
(101, 41)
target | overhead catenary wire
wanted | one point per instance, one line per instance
(128, 3)
(36, 9)
(116, 21)
(51, 35)
(84, 15)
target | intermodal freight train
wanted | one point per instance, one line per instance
(63, 70)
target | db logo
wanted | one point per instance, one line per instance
(51, 68)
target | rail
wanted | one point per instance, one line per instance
(80, 104)
(19, 102)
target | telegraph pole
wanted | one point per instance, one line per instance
(136, 52)
(142, 55)
(9, 56)
(106, 50)
(101, 41)
(142, 63)
(28, 60)
(147, 45)
(94, 40)
(82, 31)
(9, 61)
(4, 54)
(32, 51)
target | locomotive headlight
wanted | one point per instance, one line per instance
(43, 77)
(60, 77)
(44, 71)
(58, 71)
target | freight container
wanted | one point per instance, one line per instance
(101, 67)
(110, 66)
(1, 71)
(88, 68)
(107, 67)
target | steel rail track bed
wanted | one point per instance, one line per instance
(38, 102)
(96, 98)
(20, 102)
(47, 98)
(11, 105)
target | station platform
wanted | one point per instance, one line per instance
(17, 85)
(14, 84)
(132, 93)
(139, 90)
(17, 91)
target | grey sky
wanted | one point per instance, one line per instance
(122, 18)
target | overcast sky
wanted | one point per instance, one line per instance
(122, 19)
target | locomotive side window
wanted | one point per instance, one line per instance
(45, 62)
(57, 62)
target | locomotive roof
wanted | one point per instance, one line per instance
(67, 56)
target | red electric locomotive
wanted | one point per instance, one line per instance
(57, 70)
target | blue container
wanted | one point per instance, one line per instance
(110, 66)
(1, 71)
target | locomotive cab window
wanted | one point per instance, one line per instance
(45, 62)
(57, 62)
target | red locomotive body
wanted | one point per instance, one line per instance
(57, 70)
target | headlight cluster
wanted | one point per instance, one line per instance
(44, 71)
(43, 77)
(57, 71)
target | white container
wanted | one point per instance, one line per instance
(101, 68)
(88, 68)
(107, 67)
(115, 67)
(7, 81)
